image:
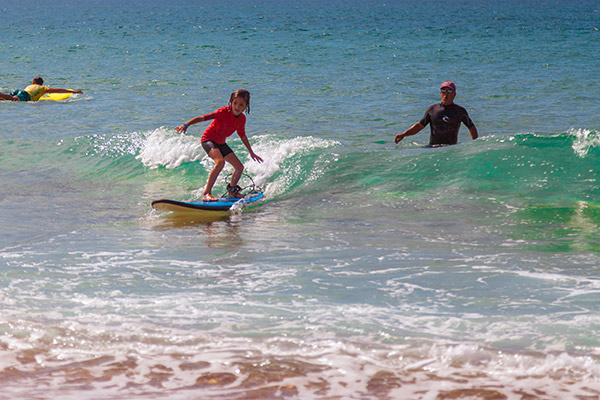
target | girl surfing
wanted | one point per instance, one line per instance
(225, 121)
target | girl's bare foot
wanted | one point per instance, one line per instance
(235, 195)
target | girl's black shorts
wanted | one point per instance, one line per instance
(223, 148)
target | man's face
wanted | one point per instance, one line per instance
(447, 94)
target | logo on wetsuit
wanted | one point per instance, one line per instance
(445, 119)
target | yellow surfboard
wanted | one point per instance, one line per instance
(56, 96)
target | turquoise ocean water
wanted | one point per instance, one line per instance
(371, 270)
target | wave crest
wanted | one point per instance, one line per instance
(165, 148)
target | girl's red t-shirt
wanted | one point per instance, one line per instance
(223, 124)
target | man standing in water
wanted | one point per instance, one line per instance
(445, 119)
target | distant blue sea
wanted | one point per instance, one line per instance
(370, 271)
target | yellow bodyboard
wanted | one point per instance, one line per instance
(56, 96)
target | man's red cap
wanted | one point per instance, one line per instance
(448, 84)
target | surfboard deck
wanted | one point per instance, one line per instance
(221, 205)
(56, 96)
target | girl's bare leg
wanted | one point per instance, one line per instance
(215, 154)
(237, 174)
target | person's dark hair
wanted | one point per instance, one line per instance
(244, 94)
(38, 80)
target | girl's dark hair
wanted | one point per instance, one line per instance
(38, 80)
(244, 94)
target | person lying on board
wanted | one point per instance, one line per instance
(445, 119)
(225, 121)
(34, 91)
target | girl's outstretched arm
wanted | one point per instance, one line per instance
(184, 127)
(254, 156)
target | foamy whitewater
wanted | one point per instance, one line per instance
(370, 270)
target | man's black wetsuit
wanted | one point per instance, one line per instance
(445, 123)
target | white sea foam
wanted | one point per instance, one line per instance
(584, 140)
(130, 354)
(275, 153)
(164, 147)
(96, 317)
